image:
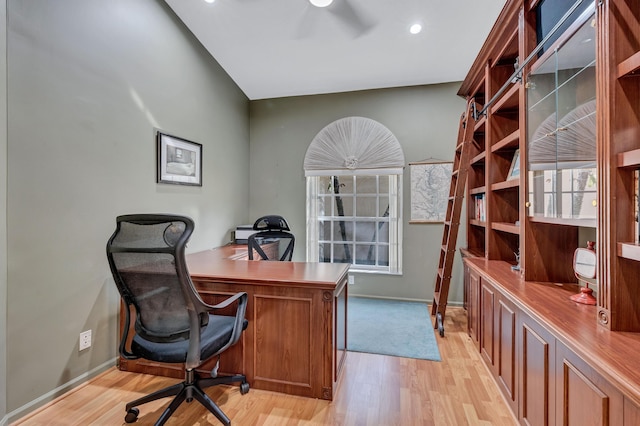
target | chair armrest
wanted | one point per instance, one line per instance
(124, 352)
(238, 325)
(193, 356)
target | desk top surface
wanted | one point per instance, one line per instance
(218, 265)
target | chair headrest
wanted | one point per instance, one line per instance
(271, 222)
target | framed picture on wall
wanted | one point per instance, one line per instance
(179, 160)
(430, 182)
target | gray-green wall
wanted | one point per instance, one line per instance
(425, 121)
(88, 81)
(3, 211)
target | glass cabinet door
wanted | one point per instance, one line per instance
(561, 130)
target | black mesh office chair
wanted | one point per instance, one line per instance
(172, 323)
(272, 241)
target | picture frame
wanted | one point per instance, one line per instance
(430, 184)
(514, 170)
(179, 160)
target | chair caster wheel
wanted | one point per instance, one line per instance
(132, 415)
(440, 324)
(244, 388)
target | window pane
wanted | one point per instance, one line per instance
(383, 232)
(344, 184)
(383, 255)
(324, 230)
(343, 206)
(324, 253)
(342, 252)
(325, 206)
(342, 231)
(366, 206)
(325, 184)
(365, 254)
(383, 207)
(366, 184)
(365, 231)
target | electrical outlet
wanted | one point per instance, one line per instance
(351, 279)
(85, 340)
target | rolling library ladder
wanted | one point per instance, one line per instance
(452, 219)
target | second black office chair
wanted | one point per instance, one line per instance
(272, 241)
(172, 323)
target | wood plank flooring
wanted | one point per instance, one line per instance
(375, 390)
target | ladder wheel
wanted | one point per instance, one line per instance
(440, 324)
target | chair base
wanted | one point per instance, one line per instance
(191, 388)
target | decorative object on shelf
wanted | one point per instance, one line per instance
(584, 266)
(516, 267)
(514, 171)
(430, 182)
(179, 160)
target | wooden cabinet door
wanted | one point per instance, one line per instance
(536, 361)
(583, 396)
(505, 346)
(474, 307)
(487, 322)
(631, 413)
(498, 339)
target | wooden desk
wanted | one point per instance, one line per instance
(296, 339)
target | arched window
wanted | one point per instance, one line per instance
(354, 172)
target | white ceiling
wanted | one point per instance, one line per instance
(277, 48)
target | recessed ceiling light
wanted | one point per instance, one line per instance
(209, 1)
(321, 3)
(415, 28)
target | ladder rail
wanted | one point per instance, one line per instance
(452, 220)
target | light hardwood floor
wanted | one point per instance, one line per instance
(375, 390)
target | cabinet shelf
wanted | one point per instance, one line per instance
(478, 159)
(508, 227)
(478, 190)
(509, 142)
(470, 252)
(507, 184)
(479, 127)
(629, 158)
(508, 101)
(510, 49)
(629, 251)
(630, 66)
(585, 223)
(476, 222)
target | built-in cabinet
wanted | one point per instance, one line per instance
(551, 368)
(554, 164)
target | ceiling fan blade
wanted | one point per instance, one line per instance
(354, 20)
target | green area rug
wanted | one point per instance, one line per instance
(391, 327)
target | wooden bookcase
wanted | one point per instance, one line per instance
(517, 316)
(619, 144)
(546, 244)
